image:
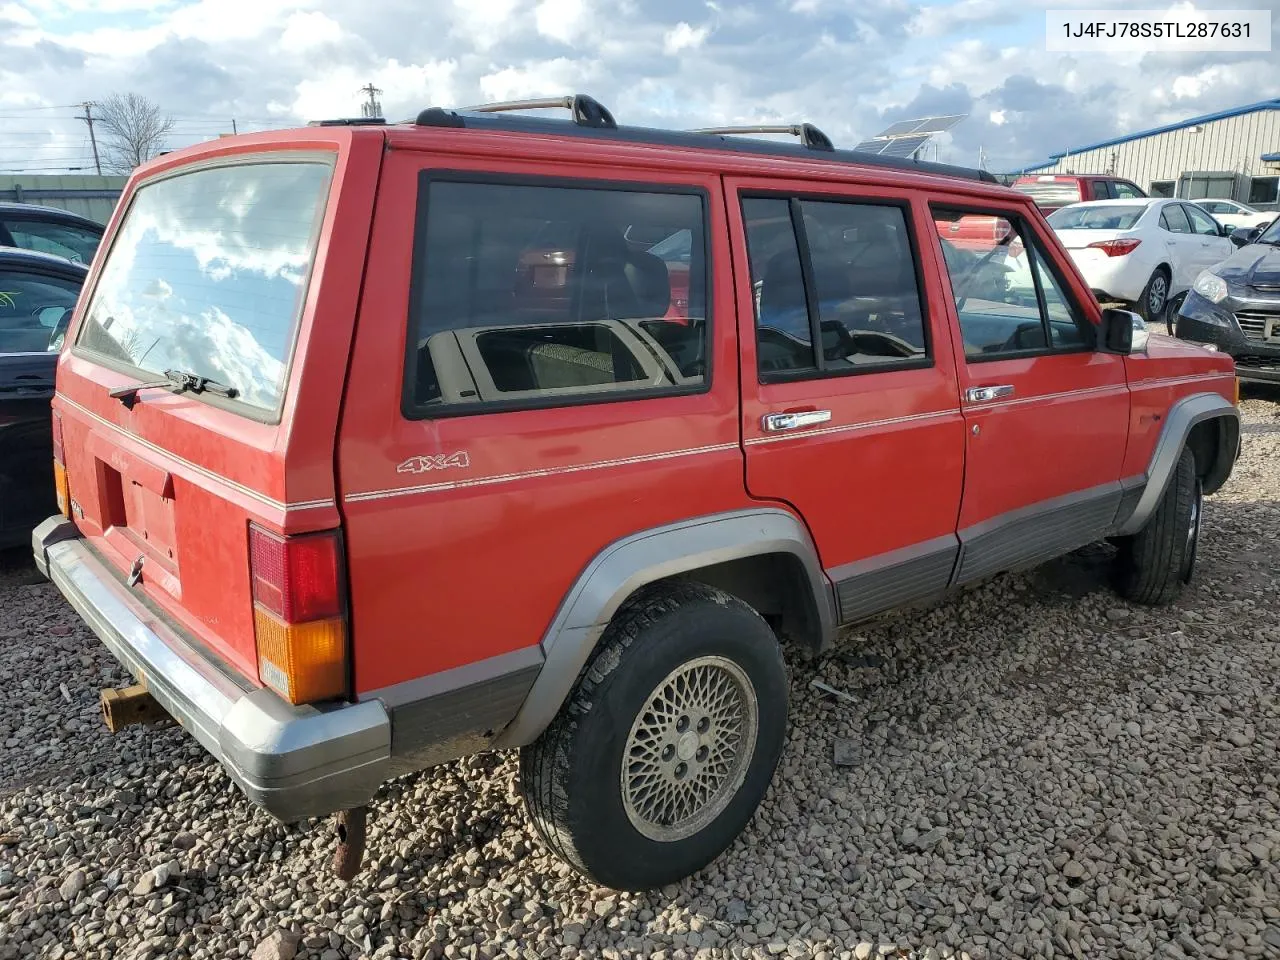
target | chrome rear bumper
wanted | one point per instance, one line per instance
(295, 762)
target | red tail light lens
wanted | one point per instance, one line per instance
(57, 438)
(299, 622)
(1116, 248)
(296, 578)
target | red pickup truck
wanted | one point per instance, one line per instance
(352, 492)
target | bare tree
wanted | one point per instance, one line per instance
(134, 129)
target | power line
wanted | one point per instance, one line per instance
(88, 118)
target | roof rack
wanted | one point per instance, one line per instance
(585, 111)
(810, 136)
(348, 122)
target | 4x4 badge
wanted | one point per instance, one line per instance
(439, 461)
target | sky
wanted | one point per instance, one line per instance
(849, 66)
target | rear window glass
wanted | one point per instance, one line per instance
(1050, 191)
(1110, 217)
(540, 295)
(207, 275)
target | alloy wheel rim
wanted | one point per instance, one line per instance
(1159, 290)
(1192, 544)
(689, 748)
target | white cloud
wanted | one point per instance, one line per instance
(562, 20)
(997, 117)
(683, 37)
(307, 30)
(538, 79)
(942, 19)
(484, 23)
(407, 88)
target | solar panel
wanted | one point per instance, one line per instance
(901, 128)
(871, 146)
(938, 124)
(904, 146)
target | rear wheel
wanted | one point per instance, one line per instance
(1155, 296)
(667, 744)
(1154, 563)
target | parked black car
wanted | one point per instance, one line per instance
(37, 296)
(1236, 306)
(49, 230)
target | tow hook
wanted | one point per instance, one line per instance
(349, 853)
(124, 706)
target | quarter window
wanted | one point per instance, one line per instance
(1009, 299)
(838, 275)
(533, 295)
(1173, 219)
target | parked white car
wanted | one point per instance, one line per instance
(1234, 215)
(1141, 252)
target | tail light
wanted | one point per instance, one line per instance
(59, 468)
(299, 614)
(1116, 248)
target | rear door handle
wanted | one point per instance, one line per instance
(773, 422)
(987, 394)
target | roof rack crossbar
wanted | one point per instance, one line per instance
(809, 135)
(585, 111)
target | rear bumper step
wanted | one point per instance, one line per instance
(296, 762)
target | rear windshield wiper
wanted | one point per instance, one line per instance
(180, 380)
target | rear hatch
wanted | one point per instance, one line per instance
(238, 262)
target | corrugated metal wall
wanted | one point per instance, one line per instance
(90, 196)
(1234, 144)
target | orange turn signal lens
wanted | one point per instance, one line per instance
(303, 662)
(60, 484)
(1236, 397)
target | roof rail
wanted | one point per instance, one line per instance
(810, 136)
(585, 111)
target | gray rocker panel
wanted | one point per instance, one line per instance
(919, 572)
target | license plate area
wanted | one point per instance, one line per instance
(138, 518)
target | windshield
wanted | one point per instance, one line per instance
(208, 272)
(1272, 233)
(1050, 191)
(1086, 217)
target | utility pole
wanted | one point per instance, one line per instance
(88, 118)
(233, 126)
(371, 108)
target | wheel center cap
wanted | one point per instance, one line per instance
(687, 745)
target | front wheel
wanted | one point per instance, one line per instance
(1154, 563)
(667, 744)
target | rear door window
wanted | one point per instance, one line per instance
(33, 307)
(532, 294)
(207, 275)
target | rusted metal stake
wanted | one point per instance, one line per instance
(350, 849)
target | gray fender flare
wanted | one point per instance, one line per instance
(1182, 417)
(629, 564)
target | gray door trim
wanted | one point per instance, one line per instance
(921, 571)
(1182, 417)
(1033, 534)
(629, 564)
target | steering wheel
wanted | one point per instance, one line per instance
(1018, 339)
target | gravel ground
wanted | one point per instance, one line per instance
(1038, 770)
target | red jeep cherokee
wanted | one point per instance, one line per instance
(379, 445)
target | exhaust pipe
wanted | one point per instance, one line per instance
(124, 706)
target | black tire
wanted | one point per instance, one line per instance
(1171, 313)
(571, 776)
(1159, 283)
(1154, 563)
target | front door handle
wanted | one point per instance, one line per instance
(987, 394)
(774, 422)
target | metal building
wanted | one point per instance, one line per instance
(90, 196)
(1233, 155)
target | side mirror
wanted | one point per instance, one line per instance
(1243, 236)
(1123, 332)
